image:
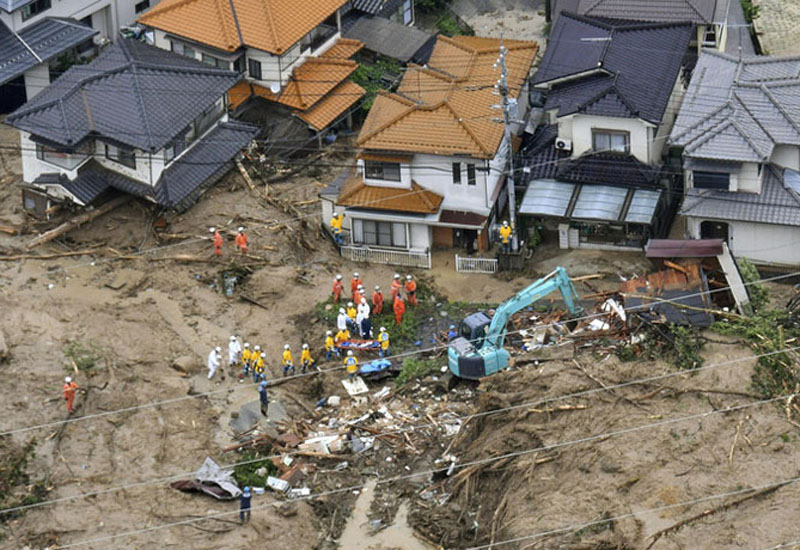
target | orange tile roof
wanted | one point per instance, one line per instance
(269, 25)
(239, 93)
(445, 108)
(417, 200)
(334, 104)
(313, 80)
(345, 48)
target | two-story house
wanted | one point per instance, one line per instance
(289, 52)
(431, 170)
(39, 37)
(709, 17)
(611, 92)
(137, 119)
(739, 132)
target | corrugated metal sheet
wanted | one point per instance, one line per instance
(643, 206)
(547, 198)
(600, 202)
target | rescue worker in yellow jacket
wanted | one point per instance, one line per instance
(258, 369)
(330, 346)
(505, 236)
(247, 354)
(336, 228)
(305, 359)
(288, 361)
(351, 364)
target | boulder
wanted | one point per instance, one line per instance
(186, 364)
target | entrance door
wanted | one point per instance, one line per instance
(714, 230)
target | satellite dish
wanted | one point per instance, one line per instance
(275, 87)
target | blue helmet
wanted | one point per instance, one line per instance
(246, 489)
(452, 327)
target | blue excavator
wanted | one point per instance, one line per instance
(478, 350)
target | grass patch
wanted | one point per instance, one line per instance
(415, 368)
(85, 355)
(16, 486)
(245, 474)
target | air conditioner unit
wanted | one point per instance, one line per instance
(564, 144)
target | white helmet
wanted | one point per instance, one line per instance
(363, 300)
(335, 214)
(233, 338)
(355, 275)
(211, 229)
(396, 275)
(247, 344)
(218, 349)
(378, 288)
(257, 348)
(349, 304)
(350, 353)
(341, 310)
(286, 346)
(383, 329)
(305, 346)
(67, 379)
(328, 333)
(339, 277)
(408, 277)
(240, 229)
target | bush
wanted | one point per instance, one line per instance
(431, 6)
(759, 297)
(751, 11)
(245, 474)
(85, 355)
(415, 368)
(687, 346)
(448, 26)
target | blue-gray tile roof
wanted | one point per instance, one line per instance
(133, 94)
(612, 68)
(46, 39)
(391, 39)
(179, 183)
(11, 5)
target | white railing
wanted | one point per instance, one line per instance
(384, 256)
(476, 265)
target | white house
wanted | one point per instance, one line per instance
(610, 92)
(289, 52)
(739, 132)
(107, 127)
(431, 170)
(36, 34)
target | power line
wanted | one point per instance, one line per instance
(465, 418)
(456, 466)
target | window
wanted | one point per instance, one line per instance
(710, 36)
(457, 173)
(406, 12)
(122, 155)
(65, 159)
(387, 171)
(176, 47)
(379, 233)
(609, 140)
(169, 153)
(141, 6)
(710, 180)
(35, 8)
(188, 51)
(215, 62)
(238, 65)
(471, 174)
(254, 68)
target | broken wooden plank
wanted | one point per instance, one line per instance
(78, 221)
(245, 175)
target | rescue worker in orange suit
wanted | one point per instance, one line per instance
(411, 290)
(354, 282)
(377, 301)
(399, 309)
(70, 388)
(241, 240)
(217, 241)
(397, 286)
(358, 294)
(337, 288)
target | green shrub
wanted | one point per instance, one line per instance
(245, 474)
(85, 355)
(448, 26)
(415, 368)
(751, 11)
(759, 297)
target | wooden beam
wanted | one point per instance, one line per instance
(78, 221)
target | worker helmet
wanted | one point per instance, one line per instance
(67, 379)
(286, 346)
(257, 348)
(363, 300)
(383, 329)
(218, 349)
(452, 327)
(349, 353)
(349, 304)
(341, 310)
(396, 275)
(328, 333)
(240, 229)
(247, 344)
(505, 224)
(246, 490)
(335, 214)
(305, 346)
(378, 288)
(339, 277)
(408, 277)
(211, 229)
(233, 338)
(355, 275)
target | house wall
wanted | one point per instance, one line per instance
(419, 234)
(787, 156)
(581, 133)
(141, 173)
(761, 243)
(434, 172)
(744, 179)
(106, 19)
(405, 177)
(36, 79)
(667, 121)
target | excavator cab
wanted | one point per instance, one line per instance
(466, 356)
(473, 328)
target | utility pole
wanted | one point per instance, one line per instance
(507, 106)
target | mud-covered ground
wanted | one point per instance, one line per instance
(127, 321)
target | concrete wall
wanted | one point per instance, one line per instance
(582, 126)
(761, 243)
(787, 156)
